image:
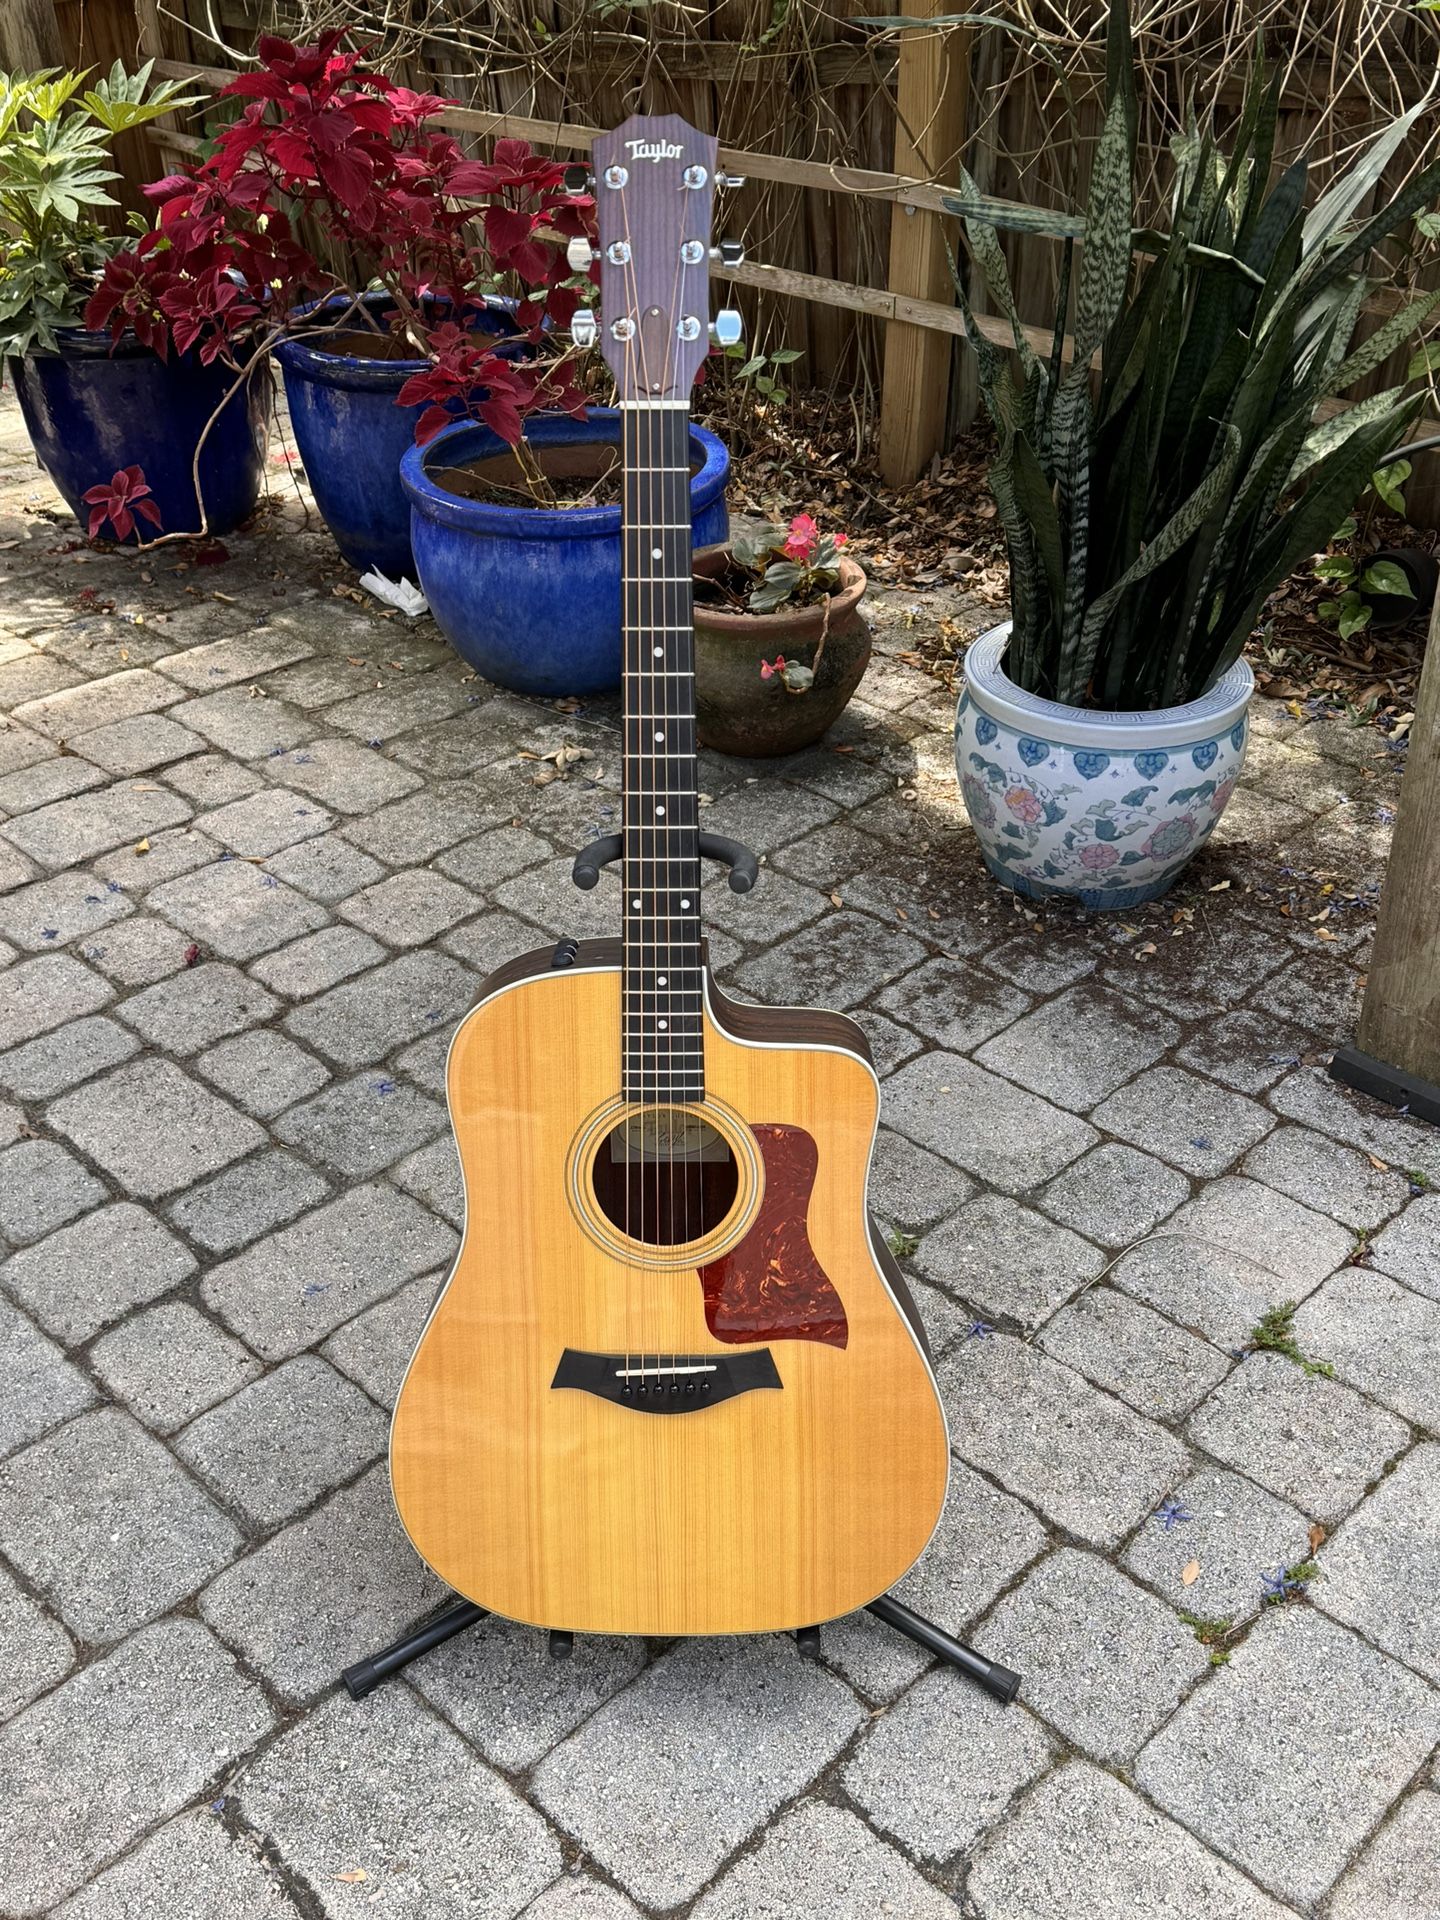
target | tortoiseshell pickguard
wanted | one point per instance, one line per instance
(771, 1286)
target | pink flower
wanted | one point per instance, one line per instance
(803, 538)
(768, 672)
(1024, 805)
(1097, 856)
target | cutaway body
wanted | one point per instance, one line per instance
(618, 1424)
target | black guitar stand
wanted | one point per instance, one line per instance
(999, 1682)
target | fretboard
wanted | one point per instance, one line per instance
(662, 1023)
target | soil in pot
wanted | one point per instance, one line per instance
(580, 476)
(739, 709)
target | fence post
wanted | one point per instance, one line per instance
(1397, 1052)
(932, 94)
(30, 36)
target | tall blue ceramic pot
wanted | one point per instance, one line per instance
(530, 596)
(351, 435)
(90, 411)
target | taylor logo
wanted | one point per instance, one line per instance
(656, 150)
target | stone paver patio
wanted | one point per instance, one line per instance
(257, 846)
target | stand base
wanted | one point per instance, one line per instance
(1383, 1082)
(999, 1682)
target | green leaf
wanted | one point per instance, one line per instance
(1383, 576)
(1354, 620)
(1335, 566)
(1105, 263)
(1383, 342)
(1339, 201)
(1424, 363)
(1387, 482)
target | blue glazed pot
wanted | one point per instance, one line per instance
(351, 435)
(1106, 808)
(530, 596)
(90, 411)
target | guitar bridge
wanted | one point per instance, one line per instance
(666, 1382)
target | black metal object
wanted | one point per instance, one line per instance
(1419, 1098)
(1001, 1683)
(366, 1675)
(744, 867)
(669, 1382)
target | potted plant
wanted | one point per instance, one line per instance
(329, 157)
(95, 406)
(1150, 506)
(780, 640)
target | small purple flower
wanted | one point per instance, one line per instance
(1280, 1584)
(313, 1287)
(979, 1330)
(1202, 1141)
(92, 899)
(1172, 1513)
(277, 753)
(113, 886)
(374, 743)
(382, 1086)
(268, 880)
(435, 1013)
(49, 933)
(218, 1806)
(1385, 815)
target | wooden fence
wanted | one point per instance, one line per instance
(848, 153)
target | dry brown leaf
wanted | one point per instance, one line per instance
(352, 1876)
(1190, 1573)
(836, 900)
(1380, 1166)
(1317, 1535)
(142, 846)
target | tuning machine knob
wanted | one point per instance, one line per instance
(727, 253)
(578, 178)
(579, 254)
(584, 329)
(726, 328)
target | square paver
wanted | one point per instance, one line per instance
(1005, 1136)
(236, 909)
(41, 1187)
(327, 869)
(753, 1713)
(1285, 1760)
(140, 950)
(1083, 1845)
(838, 964)
(360, 1022)
(344, 775)
(237, 723)
(909, 1186)
(823, 1860)
(1267, 1229)
(279, 1443)
(1409, 1248)
(394, 1794)
(1084, 1460)
(59, 1060)
(1104, 1661)
(136, 745)
(169, 1363)
(1211, 967)
(122, 1745)
(264, 822)
(38, 995)
(70, 831)
(375, 1347)
(1162, 1370)
(1399, 1872)
(238, 1205)
(317, 961)
(421, 825)
(244, 656)
(1307, 1438)
(95, 703)
(41, 1389)
(1249, 1051)
(99, 1516)
(262, 1072)
(1007, 1260)
(50, 913)
(954, 1003)
(212, 779)
(1310, 1096)
(197, 1007)
(293, 1288)
(1080, 1046)
(1333, 1179)
(909, 1775)
(411, 908)
(1379, 1337)
(331, 1588)
(1186, 1119)
(1227, 1534)
(1382, 1568)
(153, 1128)
(487, 859)
(1115, 1195)
(79, 1279)
(362, 1125)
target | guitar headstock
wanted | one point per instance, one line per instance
(654, 194)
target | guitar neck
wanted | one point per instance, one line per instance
(663, 998)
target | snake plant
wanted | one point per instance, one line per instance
(54, 170)
(1151, 504)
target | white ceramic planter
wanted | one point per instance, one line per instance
(1104, 807)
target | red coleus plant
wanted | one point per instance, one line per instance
(118, 501)
(324, 139)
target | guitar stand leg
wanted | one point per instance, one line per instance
(366, 1675)
(1001, 1683)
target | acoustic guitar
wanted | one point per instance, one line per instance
(674, 1384)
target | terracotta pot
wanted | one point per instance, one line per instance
(741, 713)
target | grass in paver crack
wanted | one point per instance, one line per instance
(1275, 1333)
(1212, 1633)
(902, 1245)
(1289, 1583)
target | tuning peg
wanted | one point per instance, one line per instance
(727, 253)
(578, 178)
(583, 328)
(730, 179)
(726, 328)
(580, 253)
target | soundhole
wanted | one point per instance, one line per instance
(664, 1176)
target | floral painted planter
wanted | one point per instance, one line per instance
(1104, 807)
